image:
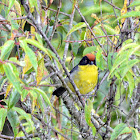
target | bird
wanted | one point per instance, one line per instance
(84, 75)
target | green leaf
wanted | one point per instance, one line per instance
(24, 94)
(87, 10)
(38, 37)
(34, 97)
(14, 25)
(131, 46)
(41, 47)
(123, 68)
(110, 60)
(88, 109)
(76, 27)
(11, 3)
(130, 14)
(100, 60)
(128, 66)
(110, 30)
(33, 3)
(12, 75)
(131, 83)
(3, 113)
(38, 45)
(128, 41)
(13, 99)
(30, 53)
(118, 130)
(43, 94)
(39, 100)
(89, 50)
(14, 121)
(75, 47)
(118, 61)
(135, 134)
(6, 49)
(134, 3)
(24, 115)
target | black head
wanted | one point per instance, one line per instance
(86, 61)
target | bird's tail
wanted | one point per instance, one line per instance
(59, 91)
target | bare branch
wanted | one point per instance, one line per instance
(68, 37)
(112, 5)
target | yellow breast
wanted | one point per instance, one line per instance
(85, 78)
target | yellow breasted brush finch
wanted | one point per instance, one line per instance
(85, 76)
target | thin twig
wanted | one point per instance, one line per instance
(20, 18)
(24, 131)
(68, 37)
(56, 20)
(90, 28)
(50, 127)
(112, 5)
(86, 40)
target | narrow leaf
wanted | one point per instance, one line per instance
(40, 103)
(117, 131)
(27, 66)
(24, 115)
(24, 94)
(135, 134)
(33, 95)
(131, 83)
(40, 71)
(30, 53)
(128, 66)
(14, 121)
(110, 30)
(12, 75)
(38, 45)
(6, 49)
(38, 37)
(76, 27)
(8, 89)
(99, 60)
(13, 99)
(129, 14)
(134, 3)
(88, 109)
(3, 113)
(110, 61)
(45, 97)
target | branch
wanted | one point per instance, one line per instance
(112, 5)
(18, 138)
(56, 20)
(90, 28)
(86, 40)
(8, 27)
(50, 127)
(68, 37)
(55, 11)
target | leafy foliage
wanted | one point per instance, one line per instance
(30, 66)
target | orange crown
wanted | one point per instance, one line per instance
(91, 56)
